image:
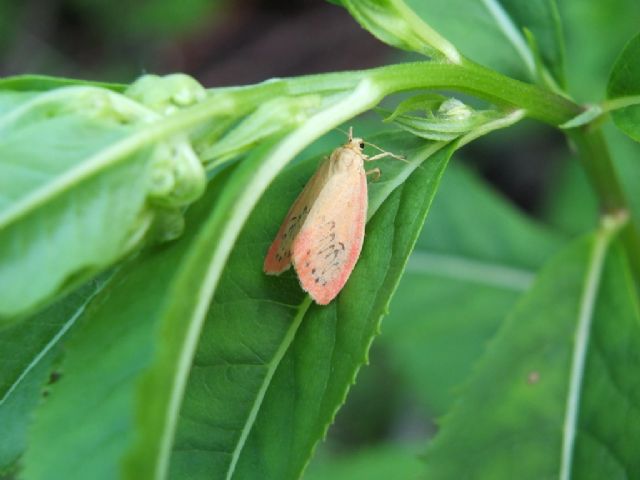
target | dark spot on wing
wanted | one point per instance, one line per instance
(290, 232)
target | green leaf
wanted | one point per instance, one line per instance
(272, 366)
(273, 118)
(394, 23)
(592, 44)
(425, 102)
(10, 99)
(127, 365)
(374, 463)
(78, 178)
(28, 350)
(492, 32)
(88, 224)
(451, 120)
(43, 83)
(592, 113)
(625, 153)
(535, 402)
(120, 337)
(625, 82)
(477, 246)
(472, 219)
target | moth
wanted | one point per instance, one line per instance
(323, 232)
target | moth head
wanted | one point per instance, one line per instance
(348, 157)
(357, 144)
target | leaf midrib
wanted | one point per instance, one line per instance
(581, 336)
(49, 345)
(511, 31)
(271, 369)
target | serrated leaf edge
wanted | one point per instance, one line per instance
(365, 95)
(384, 309)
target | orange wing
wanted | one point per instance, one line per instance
(278, 257)
(329, 243)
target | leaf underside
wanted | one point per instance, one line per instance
(89, 223)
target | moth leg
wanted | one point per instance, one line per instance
(375, 172)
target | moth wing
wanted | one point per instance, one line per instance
(278, 257)
(329, 243)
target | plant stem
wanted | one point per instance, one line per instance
(481, 82)
(594, 155)
(596, 160)
(467, 77)
(630, 237)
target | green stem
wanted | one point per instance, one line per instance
(481, 82)
(596, 160)
(467, 77)
(630, 237)
(594, 155)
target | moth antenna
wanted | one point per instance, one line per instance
(350, 133)
(391, 154)
(341, 131)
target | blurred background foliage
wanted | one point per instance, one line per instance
(521, 188)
